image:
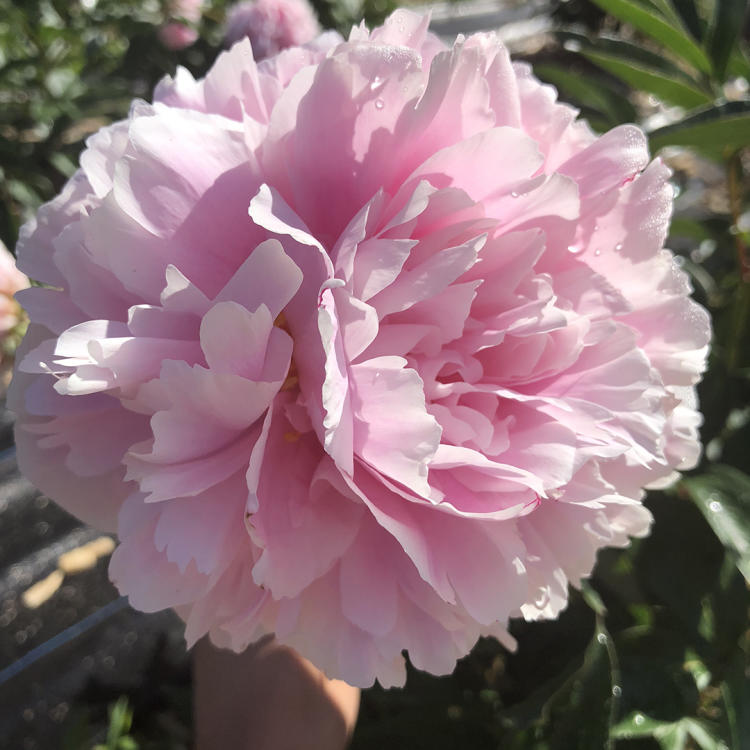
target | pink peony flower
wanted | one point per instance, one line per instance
(371, 345)
(271, 25)
(176, 35)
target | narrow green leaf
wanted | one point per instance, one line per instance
(618, 47)
(723, 496)
(690, 18)
(739, 63)
(120, 718)
(674, 37)
(668, 10)
(640, 68)
(735, 691)
(725, 29)
(713, 131)
(668, 89)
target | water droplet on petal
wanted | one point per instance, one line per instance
(514, 194)
(618, 246)
(379, 104)
(597, 252)
(575, 249)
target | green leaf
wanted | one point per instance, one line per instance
(735, 691)
(725, 28)
(739, 63)
(640, 68)
(618, 47)
(120, 719)
(635, 726)
(723, 496)
(667, 10)
(670, 735)
(714, 131)
(688, 12)
(670, 34)
(668, 88)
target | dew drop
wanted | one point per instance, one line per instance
(575, 249)
(639, 719)
(715, 506)
(601, 638)
(514, 194)
(616, 691)
(379, 104)
(618, 246)
(597, 252)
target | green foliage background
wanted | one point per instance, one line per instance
(654, 651)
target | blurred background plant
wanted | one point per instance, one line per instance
(654, 652)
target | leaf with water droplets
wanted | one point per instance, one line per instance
(635, 725)
(723, 496)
